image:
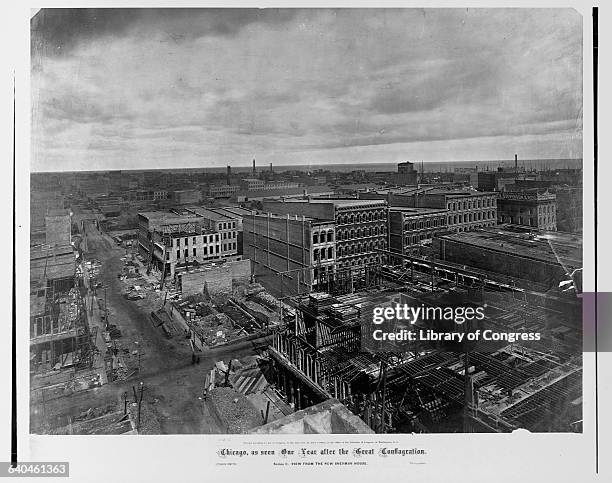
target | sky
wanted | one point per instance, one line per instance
(160, 88)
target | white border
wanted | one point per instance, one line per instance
(478, 457)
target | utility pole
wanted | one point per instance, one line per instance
(140, 404)
(466, 383)
(384, 394)
(125, 396)
(105, 309)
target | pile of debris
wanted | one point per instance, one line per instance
(93, 267)
(234, 411)
(265, 299)
(69, 309)
(214, 329)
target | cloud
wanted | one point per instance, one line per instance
(161, 87)
(59, 31)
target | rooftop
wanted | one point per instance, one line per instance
(339, 202)
(211, 215)
(417, 211)
(554, 247)
(234, 210)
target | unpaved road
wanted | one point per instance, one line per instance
(172, 384)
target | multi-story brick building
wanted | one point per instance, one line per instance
(409, 228)
(148, 195)
(223, 191)
(168, 239)
(289, 254)
(534, 208)
(406, 174)
(250, 184)
(467, 209)
(348, 237)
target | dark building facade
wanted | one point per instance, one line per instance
(532, 208)
(410, 227)
(406, 174)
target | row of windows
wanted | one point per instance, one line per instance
(361, 232)
(468, 205)
(523, 211)
(546, 209)
(323, 237)
(360, 261)
(203, 251)
(342, 267)
(358, 248)
(361, 217)
(419, 225)
(526, 220)
(227, 226)
(414, 239)
(323, 254)
(470, 217)
(205, 239)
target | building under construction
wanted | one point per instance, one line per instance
(189, 236)
(495, 387)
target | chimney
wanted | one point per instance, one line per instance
(271, 170)
(515, 163)
(254, 170)
(228, 181)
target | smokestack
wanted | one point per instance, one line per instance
(516, 162)
(271, 170)
(254, 170)
(228, 181)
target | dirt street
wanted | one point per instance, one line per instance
(172, 384)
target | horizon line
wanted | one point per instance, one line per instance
(318, 166)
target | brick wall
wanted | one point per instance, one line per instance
(217, 279)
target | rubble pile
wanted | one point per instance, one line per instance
(235, 412)
(214, 329)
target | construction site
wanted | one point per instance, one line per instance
(229, 320)
(495, 387)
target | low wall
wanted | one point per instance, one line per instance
(217, 279)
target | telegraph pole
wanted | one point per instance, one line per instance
(140, 405)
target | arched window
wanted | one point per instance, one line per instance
(330, 236)
(316, 254)
(315, 238)
(330, 252)
(322, 237)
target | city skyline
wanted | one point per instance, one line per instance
(209, 88)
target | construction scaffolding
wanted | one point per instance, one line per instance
(498, 388)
